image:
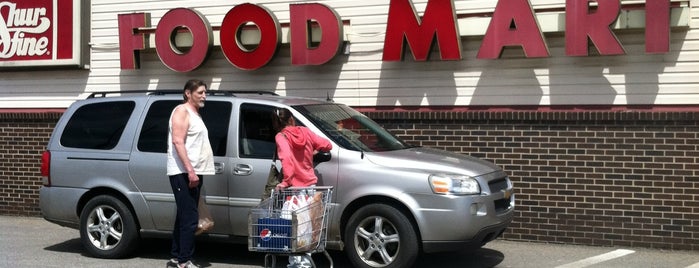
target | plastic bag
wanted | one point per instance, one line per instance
(206, 222)
(299, 205)
(286, 210)
(303, 217)
(317, 214)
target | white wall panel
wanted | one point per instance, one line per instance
(362, 79)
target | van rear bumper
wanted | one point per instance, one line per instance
(59, 205)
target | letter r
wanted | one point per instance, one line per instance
(583, 23)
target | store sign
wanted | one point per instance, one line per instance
(42, 33)
(513, 23)
(179, 19)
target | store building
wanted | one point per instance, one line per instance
(590, 106)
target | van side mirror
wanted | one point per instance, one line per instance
(321, 157)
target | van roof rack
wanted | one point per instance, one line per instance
(104, 94)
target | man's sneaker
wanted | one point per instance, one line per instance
(172, 262)
(188, 264)
(300, 261)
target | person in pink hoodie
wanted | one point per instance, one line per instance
(296, 146)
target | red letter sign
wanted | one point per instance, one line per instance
(526, 33)
(439, 19)
(657, 26)
(330, 26)
(130, 43)
(581, 23)
(270, 36)
(202, 39)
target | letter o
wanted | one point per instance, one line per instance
(270, 34)
(202, 39)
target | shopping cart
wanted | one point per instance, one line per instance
(292, 221)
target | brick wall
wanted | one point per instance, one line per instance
(23, 138)
(591, 178)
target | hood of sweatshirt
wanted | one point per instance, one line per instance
(296, 136)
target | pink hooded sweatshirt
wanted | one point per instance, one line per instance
(295, 147)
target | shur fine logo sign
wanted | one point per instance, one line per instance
(39, 33)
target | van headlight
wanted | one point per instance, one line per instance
(454, 184)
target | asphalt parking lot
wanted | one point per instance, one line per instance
(34, 242)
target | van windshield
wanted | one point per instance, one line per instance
(351, 129)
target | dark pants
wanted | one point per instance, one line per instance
(187, 200)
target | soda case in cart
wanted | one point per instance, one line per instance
(292, 221)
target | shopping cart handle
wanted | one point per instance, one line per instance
(310, 187)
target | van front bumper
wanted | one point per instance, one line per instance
(464, 221)
(484, 236)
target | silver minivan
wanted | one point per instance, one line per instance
(104, 174)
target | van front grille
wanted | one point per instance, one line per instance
(502, 204)
(497, 186)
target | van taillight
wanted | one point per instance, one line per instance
(46, 168)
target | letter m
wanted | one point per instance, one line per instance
(404, 24)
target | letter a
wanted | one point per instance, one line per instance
(526, 34)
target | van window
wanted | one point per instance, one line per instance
(256, 132)
(153, 136)
(217, 118)
(351, 129)
(98, 125)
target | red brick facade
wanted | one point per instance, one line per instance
(22, 141)
(613, 178)
(593, 178)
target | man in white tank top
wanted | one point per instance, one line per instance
(189, 157)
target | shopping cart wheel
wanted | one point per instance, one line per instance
(273, 259)
(330, 259)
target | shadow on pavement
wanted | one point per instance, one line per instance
(208, 254)
(69, 246)
(480, 258)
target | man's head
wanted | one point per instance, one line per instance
(195, 92)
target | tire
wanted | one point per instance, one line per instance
(107, 228)
(380, 236)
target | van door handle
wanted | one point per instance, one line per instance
(218, 167)
(242, 169)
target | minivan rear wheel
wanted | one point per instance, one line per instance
(107, 228)
(380, 236)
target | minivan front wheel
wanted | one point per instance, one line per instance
(380, 236)
(107, 228)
